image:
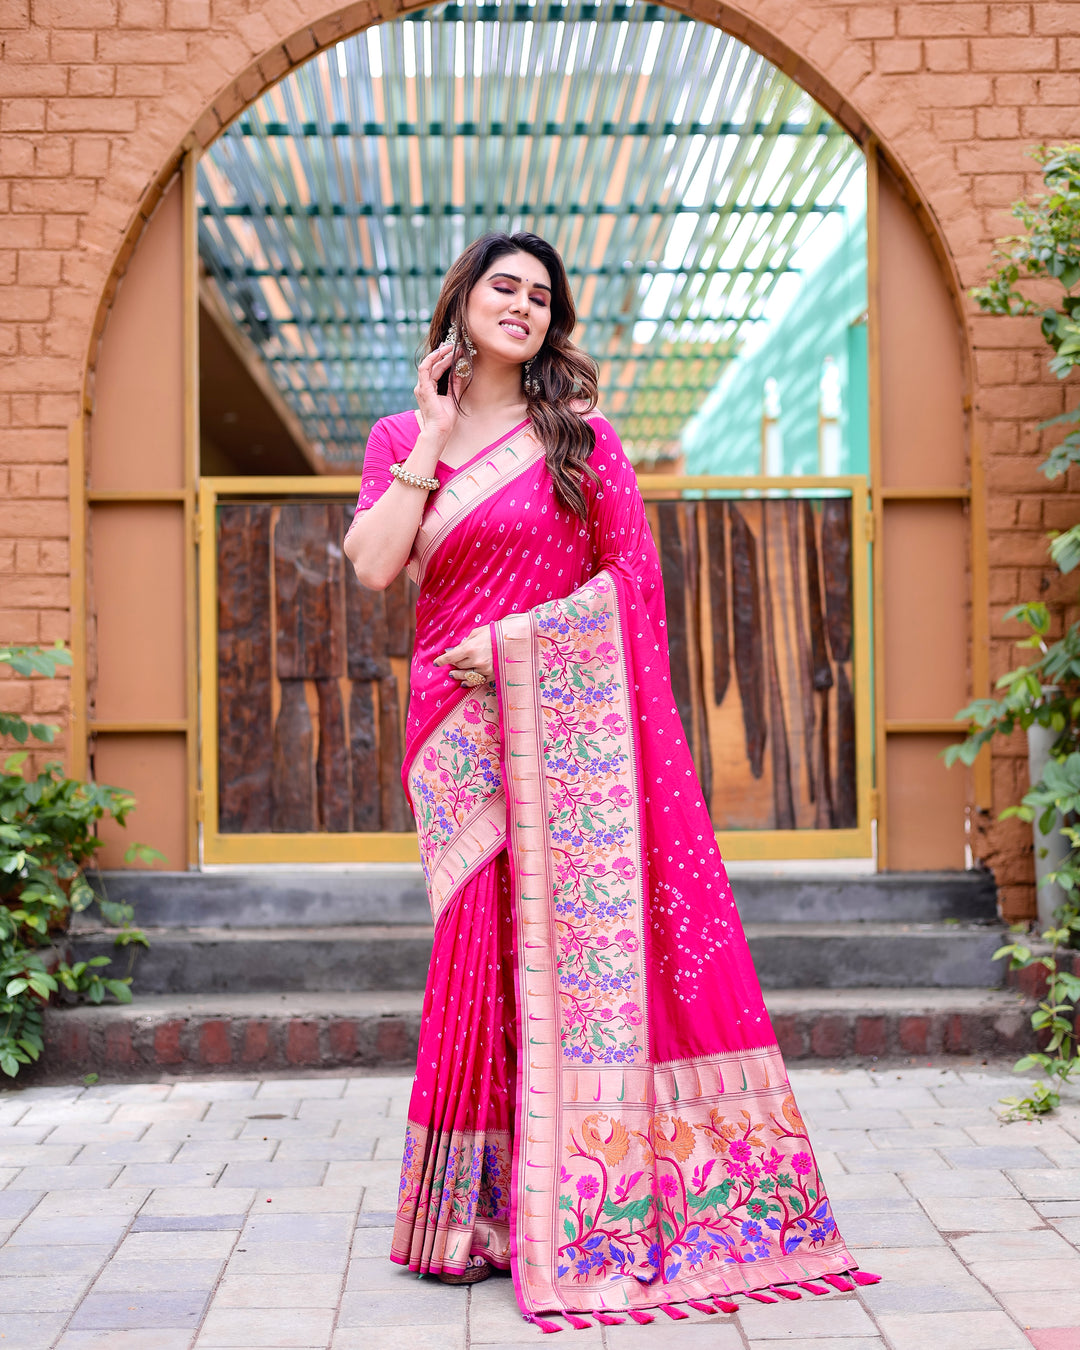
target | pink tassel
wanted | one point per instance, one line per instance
(838, 1282)
(701, 1307)
(546, 1327)
(864, 1277)
(578, 1323)
(784, 1293)
(725, 1305)
(812, 1288)
(608, 1320)
(643, 1317)
(676, 1314)
(761, 1298)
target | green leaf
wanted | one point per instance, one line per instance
(570, 1229)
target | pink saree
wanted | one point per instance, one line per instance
(600, 1104)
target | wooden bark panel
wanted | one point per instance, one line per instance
(294, 777)
(395, 809)
(760, 620)
(367, 655)
(400, 616)
(364, 754)
(717, 573)
(245, 695)
(782, 685)
(302, 751)
(760, 629)
(332, 765)
(307, 579)
(746, 626)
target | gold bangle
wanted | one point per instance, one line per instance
(411, 479)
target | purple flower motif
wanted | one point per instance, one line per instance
(751, 1230)
(802, 1163)
(587, 1187)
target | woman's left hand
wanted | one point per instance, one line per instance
(472, 654)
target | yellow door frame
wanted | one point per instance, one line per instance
(385, 847)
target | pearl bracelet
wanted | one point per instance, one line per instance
(415, 480)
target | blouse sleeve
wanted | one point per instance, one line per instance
(621, 538)
(378, 456)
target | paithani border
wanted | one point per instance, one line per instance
(481, 835)
(536, 1135)
(738, 1078)
(485, 1236)
(466, 491)
(539, 1137)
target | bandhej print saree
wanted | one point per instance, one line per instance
(600, 1104)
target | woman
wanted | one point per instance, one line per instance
(599, 1105)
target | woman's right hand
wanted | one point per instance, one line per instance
(438, 412)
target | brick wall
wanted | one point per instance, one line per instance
(97, 97)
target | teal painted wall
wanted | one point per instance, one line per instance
(827, 318)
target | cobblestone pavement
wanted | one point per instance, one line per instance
(254, 1213)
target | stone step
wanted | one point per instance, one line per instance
(395, 957)
(254, 1033)
(281, 897)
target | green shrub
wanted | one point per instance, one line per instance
(48, 839)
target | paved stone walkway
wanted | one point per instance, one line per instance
(254, 1214)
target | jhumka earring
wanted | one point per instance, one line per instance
(532, 385)
(463, 365)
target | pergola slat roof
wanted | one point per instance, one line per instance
(677, 171)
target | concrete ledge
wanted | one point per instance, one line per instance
(255, 1033)
(396, 956)
(881, 897)
(268, 897)
(274, 897)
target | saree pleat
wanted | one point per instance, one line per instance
(454, 1198)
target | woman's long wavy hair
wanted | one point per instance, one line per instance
(564, 377)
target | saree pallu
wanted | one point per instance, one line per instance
(595, 1040)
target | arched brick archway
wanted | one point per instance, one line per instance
(857, 61)
(247, 56)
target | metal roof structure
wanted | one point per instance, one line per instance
(677, 171)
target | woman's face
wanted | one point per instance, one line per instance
(508, 312)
